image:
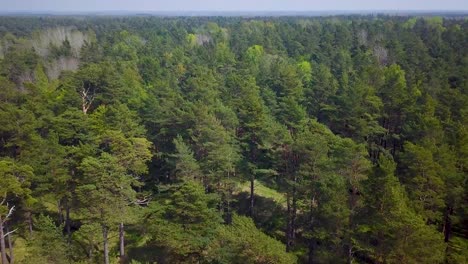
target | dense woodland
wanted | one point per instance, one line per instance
(233, 140)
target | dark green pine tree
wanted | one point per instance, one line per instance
(390, 231)
(186, 166)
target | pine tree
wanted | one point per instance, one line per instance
(186, 166)
(14, 182)
(390, 230)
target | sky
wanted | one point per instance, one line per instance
(228, 5)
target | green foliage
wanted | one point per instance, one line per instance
(14, 182)
(427, 186)
(185, 224)
(106, 190)
(396, 231)
(254, 54)
(47, 245)
(242, 242)
(343, 138)
(305, 70)
(186, 167)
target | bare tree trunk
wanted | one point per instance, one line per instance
(10, 245)
(2, 243)
(252, 194)
(121, 243)
(105, 232)
(87, 98)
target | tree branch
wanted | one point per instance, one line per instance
(8, 233)
(4, 199)
(10, 212)
(142, 201)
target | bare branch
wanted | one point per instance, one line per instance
(87, 97)
(10, 212)
(143, 201)
(9, 233)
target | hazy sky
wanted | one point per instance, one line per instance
(229, 5)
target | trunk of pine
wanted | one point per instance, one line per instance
(352, 205)
(291, 163)
(311, 242)
(60, 211)
(310, 254)
(30, 223)
(253, 158)
(2, 243)
(121, 243)
(68, 222)
(288, 224)
(350, 255)
(228, 201)
(68, 203)
(447, 224)
(10, 246)
(222, 195)
(252, 194)
(205, 184)
(228, 212)
(294, 212)
(291, 225)
(291, 221)
(91, 253)
(105, 241)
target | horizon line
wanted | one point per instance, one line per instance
(234, 12)
(259, 10)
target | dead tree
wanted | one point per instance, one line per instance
(87, 94)
(5, 258)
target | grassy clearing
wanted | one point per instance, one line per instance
(264, 191)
